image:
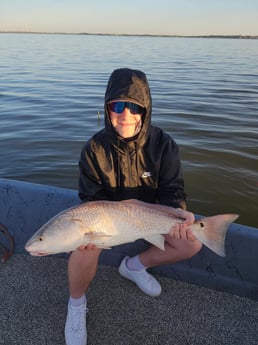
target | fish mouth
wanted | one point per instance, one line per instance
(29, 248)
(38, 253)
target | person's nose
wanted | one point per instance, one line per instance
(126, 113)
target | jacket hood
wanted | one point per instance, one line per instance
(132, 86)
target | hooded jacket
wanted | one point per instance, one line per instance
(146, 167)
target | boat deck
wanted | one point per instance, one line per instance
(33, 300)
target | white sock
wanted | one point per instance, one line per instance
(135, 264)
(77, 302)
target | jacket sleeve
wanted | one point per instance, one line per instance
(90, 185)
(171, 183)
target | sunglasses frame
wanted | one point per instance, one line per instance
(119, 106)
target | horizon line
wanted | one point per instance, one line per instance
(140, 35)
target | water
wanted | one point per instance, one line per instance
(205, 95)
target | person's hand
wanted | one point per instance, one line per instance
(89, 246)
(183, 230)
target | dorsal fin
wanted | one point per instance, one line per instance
(168, 210)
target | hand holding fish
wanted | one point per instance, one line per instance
(182, 230)
(89, 246)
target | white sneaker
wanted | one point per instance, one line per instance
(145, 281)
(75, 326)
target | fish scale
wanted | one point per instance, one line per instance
(140, 220)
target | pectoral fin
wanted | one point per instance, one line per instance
(91, 237)
(157, 240)
(96, 235)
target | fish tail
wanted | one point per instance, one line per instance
(212, 231)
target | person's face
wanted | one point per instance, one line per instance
(125, 122)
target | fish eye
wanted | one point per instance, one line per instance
(202, 224)
(41, 238)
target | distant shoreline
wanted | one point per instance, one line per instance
(133, 35)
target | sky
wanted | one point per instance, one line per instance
(155, 17)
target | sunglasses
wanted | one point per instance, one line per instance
(119, 107)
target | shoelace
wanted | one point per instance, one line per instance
(146, 276)
(77, 318)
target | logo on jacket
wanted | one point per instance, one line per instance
(146, 174)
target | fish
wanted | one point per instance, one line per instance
(110, 223)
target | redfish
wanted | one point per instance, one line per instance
(111, 223)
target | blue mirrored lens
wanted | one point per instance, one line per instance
(118, 107)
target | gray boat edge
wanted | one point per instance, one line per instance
(25, 206)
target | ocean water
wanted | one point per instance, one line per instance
(205, 95)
